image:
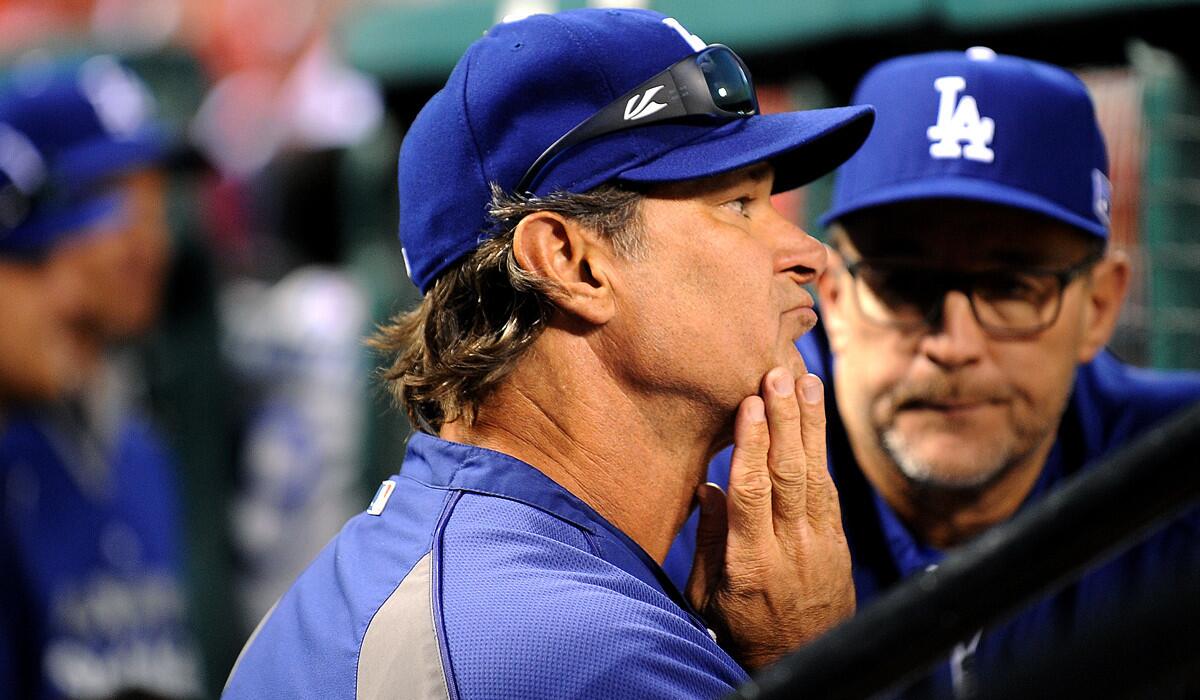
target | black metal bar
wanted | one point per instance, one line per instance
(1090, 518)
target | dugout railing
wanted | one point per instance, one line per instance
(1093, 517)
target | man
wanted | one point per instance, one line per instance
(586, 207)
(964, 318)
(43, 310)
(93, 604)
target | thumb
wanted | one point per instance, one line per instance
(708, 565)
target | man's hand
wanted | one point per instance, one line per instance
(772, 570)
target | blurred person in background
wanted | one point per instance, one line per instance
(278, 429)
(965, 315)
(282, 109)
(94, 604)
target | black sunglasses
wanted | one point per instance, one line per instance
(713, 82)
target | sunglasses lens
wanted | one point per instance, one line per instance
(727, 81)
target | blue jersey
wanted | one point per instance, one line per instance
(473, 575)
(91, 603)
(1111, 403)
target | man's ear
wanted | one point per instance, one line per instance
(832, 299)
(1104, 296)
(572, 260)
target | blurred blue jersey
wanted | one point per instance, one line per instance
(91, 603)
(473, 575)
(1111, 404)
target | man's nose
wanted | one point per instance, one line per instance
(799, 252)
(956, 339)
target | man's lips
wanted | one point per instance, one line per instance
(950, 407)
(805, 315)
(804, 300)
(803, 306)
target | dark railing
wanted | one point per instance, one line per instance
(1090, 518)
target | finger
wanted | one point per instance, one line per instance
(822, 495)
(749, 509)
(786, 457)
(708, 565)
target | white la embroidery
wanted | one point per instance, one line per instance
(960, 122)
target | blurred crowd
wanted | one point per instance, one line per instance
(185, 411)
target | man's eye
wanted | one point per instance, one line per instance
(1017, 287)
(739, 205)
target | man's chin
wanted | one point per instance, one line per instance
(946, 463)
(794, 362)
(946, 477)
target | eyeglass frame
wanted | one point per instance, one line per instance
(683, 85)
(966, 285)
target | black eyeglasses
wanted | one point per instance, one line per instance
(1007, 303)
(713, 82)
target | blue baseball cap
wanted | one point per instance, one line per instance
(64, 132)
(526, 83)
(983, 127)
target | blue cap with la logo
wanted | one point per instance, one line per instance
(983, 127)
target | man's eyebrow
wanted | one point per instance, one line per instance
(894, 251)
(1015, 258)
(758, 172)
(717, 184)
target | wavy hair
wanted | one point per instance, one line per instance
(445, 356)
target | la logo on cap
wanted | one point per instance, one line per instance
(959, 122)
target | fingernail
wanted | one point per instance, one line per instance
(811, 387)
(755, 412)
(783, 382)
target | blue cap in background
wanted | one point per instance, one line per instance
(65, 131)
(983, 127)
(526, 83)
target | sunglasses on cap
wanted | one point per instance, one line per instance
(713, 82)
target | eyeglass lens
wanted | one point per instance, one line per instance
(727, 81)
(1001, 300)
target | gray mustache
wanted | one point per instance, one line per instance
(941, 392)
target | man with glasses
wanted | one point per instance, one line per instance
(965, 313)
(609, 299)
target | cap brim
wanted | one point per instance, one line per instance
(101, 158)
(802, 146)
(45, 230)
(969, 189)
